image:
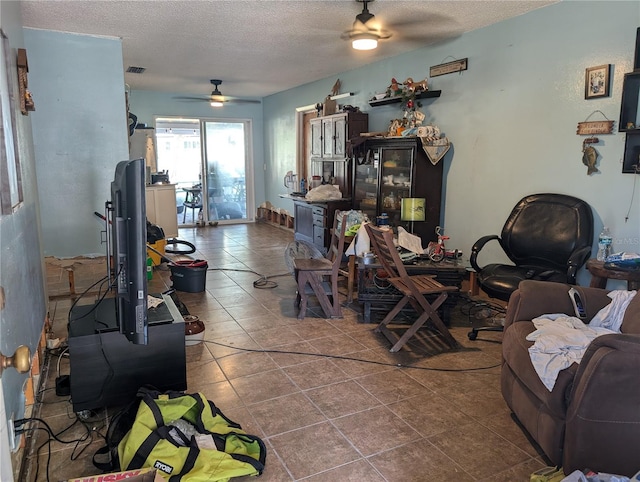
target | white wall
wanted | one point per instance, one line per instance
(512, 117)
(80, 133)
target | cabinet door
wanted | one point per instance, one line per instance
(303, 221)
(365, 195)
(161, 208)
(340, 137)
(327, 138)
(316, 137)
(396, 173)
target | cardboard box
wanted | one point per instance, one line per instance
(139, 475)
(329, 107)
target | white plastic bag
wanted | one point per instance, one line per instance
(325, 192)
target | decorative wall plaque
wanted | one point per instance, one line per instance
(448, 68)
(594, 127)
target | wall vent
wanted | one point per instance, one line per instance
(135, 70)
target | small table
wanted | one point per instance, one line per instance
(376, 294)
(600, 275)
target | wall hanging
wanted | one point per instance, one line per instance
(590, 128)
(596, 81)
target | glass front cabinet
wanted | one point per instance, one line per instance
(386, 170)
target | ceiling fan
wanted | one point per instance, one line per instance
(216, 99)
(366, 31)
(420, 28)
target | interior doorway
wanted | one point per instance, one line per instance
(210, 162)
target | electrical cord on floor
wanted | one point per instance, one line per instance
(263, 282)
(18, 424)
(481, 310)
(102, 297)
(349, 358)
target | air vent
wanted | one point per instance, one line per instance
(135, 70)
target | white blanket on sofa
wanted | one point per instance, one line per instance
(560, 340)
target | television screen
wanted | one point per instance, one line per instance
(129, 249)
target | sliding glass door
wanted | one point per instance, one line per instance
(225, 160)
(210, 162)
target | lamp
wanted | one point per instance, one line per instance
(413, 209)
(216, 103)
(364, 41)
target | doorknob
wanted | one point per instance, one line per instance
(21, 360)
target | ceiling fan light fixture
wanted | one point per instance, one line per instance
(364, 41)
(216, 103)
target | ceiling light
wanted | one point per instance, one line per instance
(216, 103)
(364, 41)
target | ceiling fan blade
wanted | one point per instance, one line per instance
(196, 99)
(243, 101)
(224, 100)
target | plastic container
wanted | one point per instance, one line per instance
(383, 220)
(604, 244)
(159, 246)
(189, 275)
(193, 330)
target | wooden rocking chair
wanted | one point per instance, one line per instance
(413, 288)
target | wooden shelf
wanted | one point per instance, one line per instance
(394, 100)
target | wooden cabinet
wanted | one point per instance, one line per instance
(106, 368)
(313, 221)
(390, 169)
(329, 137)
(162, 208)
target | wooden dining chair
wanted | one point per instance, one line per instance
(413, 289)
(319, 277)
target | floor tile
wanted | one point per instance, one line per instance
(340, 399)
(326, 396)
(300, 412)
(418, 462)
(369, 438)
(312, 450)
(478, 450)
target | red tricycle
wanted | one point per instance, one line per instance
(436, 251)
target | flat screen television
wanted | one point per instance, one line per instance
(129, 249)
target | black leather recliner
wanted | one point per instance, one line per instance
(547, 237)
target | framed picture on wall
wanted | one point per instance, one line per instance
(10, 173)
(596, 81)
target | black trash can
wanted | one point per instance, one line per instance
(189, 275)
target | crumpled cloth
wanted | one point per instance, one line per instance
(559, 340)
(611, 315)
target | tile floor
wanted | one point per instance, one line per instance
(346, 413)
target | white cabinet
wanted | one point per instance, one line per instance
(329, 134)
(329, 141)
(162, 208)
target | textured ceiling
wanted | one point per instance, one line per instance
(258, 47)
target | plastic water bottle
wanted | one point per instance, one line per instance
(604, 244)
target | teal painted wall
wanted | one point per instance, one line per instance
(80, 134)
(21, 263)
(512, 117)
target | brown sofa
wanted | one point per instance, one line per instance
(591, 419)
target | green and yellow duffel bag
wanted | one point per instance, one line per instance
(186, 437)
